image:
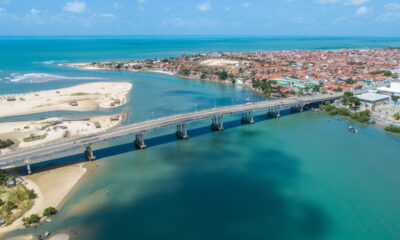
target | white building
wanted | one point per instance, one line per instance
(394, 89)
(370, 100)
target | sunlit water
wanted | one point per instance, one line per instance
(303, 176)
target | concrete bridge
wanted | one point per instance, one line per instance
(271, 108)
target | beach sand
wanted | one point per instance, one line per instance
(51, 186)
(87, 97)
(18, 131)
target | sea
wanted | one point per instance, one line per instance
(301, 176)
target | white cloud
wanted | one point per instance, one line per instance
(339, 19)
(177, 22)
(75, 7)
(389, 17)
(204, 6)
(355, 2)
(35, 11)
(246, 4)
(363, 10)
(345, 2)
(392, 6)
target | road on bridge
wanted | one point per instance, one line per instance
(19, 157)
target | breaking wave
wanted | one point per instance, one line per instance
(44, 77)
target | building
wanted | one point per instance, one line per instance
(370, 100)
(394, 89)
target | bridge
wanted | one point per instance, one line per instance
(272, 108)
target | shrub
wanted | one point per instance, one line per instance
(34, 218)
(49, 211)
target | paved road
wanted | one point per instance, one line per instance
(18, 158)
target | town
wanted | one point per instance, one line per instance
(372, 73)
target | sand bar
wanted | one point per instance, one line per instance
(54, 129)
(83, 97)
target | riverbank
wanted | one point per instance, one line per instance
(82, 97)
(53, 129)
(51, 187)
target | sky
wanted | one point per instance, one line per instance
(201, 17)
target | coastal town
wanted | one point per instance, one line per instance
(374, 74)
(366, 81)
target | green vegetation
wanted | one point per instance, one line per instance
(27, 221)
(355, 63)
(80, 94)
(351, 81)
(338, 89)
(267, 87)
(350, 100)
(49, 211)
(385, 73)
(223, 75)
(34, 137)
(185, 72)
(363, 116)
(393, 129)
(5, 143)
(15, 201)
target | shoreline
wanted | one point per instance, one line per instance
(81, 97)
(52, 186)
(87, 66)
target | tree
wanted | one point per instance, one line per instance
(49, 211)
(31, 194)
(27, 221)
(185, 72)
(396, 116)
(9, 206)
(223, 75)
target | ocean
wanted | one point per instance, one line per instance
(302, 176)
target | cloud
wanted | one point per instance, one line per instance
(392, 6)
(246, 4)
(363, 10)
(177, 22)
(345, 2)
(339, 19)
(75, 7)
(204, 6)
(389, 17)
(34, 11)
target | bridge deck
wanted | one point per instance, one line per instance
(19, 157)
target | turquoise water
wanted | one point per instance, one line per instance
(303, 176)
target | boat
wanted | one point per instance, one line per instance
(248, 100)
(352, 129)
(44, 235)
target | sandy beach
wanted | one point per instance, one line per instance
(83, 97)
(51, 186)
(54, 129)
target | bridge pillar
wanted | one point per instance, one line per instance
(139, 142)
(181, 131)
(217, 124)
(247, 117)
(28, 167)
(89, 153)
